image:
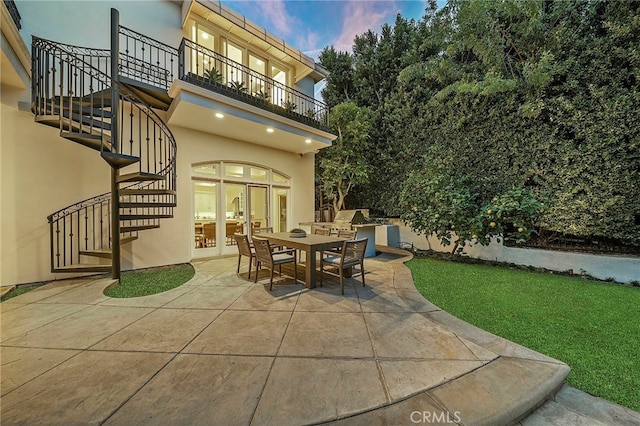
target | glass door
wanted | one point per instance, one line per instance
(205, 217)
(258, 206)
(280, 209)
(235, 216)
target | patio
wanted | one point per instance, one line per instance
(222, 350)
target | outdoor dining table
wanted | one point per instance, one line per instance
(311, 244)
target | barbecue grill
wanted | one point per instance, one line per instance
(344, 220)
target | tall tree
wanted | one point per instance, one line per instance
(339, 86)
(342, 165)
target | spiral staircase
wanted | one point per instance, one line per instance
(95, 100)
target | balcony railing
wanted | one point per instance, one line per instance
(13, 11)
(215, 72)
(145, 59)
(150, 61)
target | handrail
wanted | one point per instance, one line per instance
(124, 92)
(237, 80)
(147, 59)
(73, 83)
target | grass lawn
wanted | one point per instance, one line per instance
(17, 292)
(151, 281)
(592, 326)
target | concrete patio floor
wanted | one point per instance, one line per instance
(223, 350)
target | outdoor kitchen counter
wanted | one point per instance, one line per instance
(364, 230)
(367, 230)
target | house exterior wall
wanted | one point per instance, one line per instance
(87, 23)
(42, 172)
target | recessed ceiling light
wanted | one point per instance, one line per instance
(307, 141)
(219, 115)
(269, 130)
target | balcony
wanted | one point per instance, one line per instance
(213, 71)
(152, 62)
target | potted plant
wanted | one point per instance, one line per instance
(213, 75)
(238, 86)
(289, 106)
(262, 96)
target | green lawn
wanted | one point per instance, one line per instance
(592, 326)
(151, 281)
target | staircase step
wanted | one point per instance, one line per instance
(89, 124)
(98, 99)
(73, 126)
(76, 105)
(139, 177)
(156, 97)
(125, 191)
(133, 228)
(141, 204)
(144, 216)
(82, 267)
(89, 140)
(104, 254)
(118, 161)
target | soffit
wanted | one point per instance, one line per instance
(195, 108)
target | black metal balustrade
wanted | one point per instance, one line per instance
(71, 89)
(13, 11)
(213, 71)
(145, 59)
(150, 61)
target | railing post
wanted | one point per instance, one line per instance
(115, 143)
(181, 54)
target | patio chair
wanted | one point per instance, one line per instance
(347, 233)
(209, 231)
(264, 255)
(244, 249)
(352, 255)
(263, 230)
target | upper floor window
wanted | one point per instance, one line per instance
(240, 53)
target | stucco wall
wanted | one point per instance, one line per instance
(87, 23)
(40, 173)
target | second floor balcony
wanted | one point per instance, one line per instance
(157, 64)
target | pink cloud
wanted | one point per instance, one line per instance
(308, 40)
(276, 13)
(360, 16)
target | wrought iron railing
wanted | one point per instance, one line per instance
(151, 61)
(211, 70)
(13, 11)
(148, 60)
(72, 84)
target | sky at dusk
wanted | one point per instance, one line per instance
(311, 25)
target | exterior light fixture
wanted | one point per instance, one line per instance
(269, 130)
(219, 115)
(205, 36)
(307, 141)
